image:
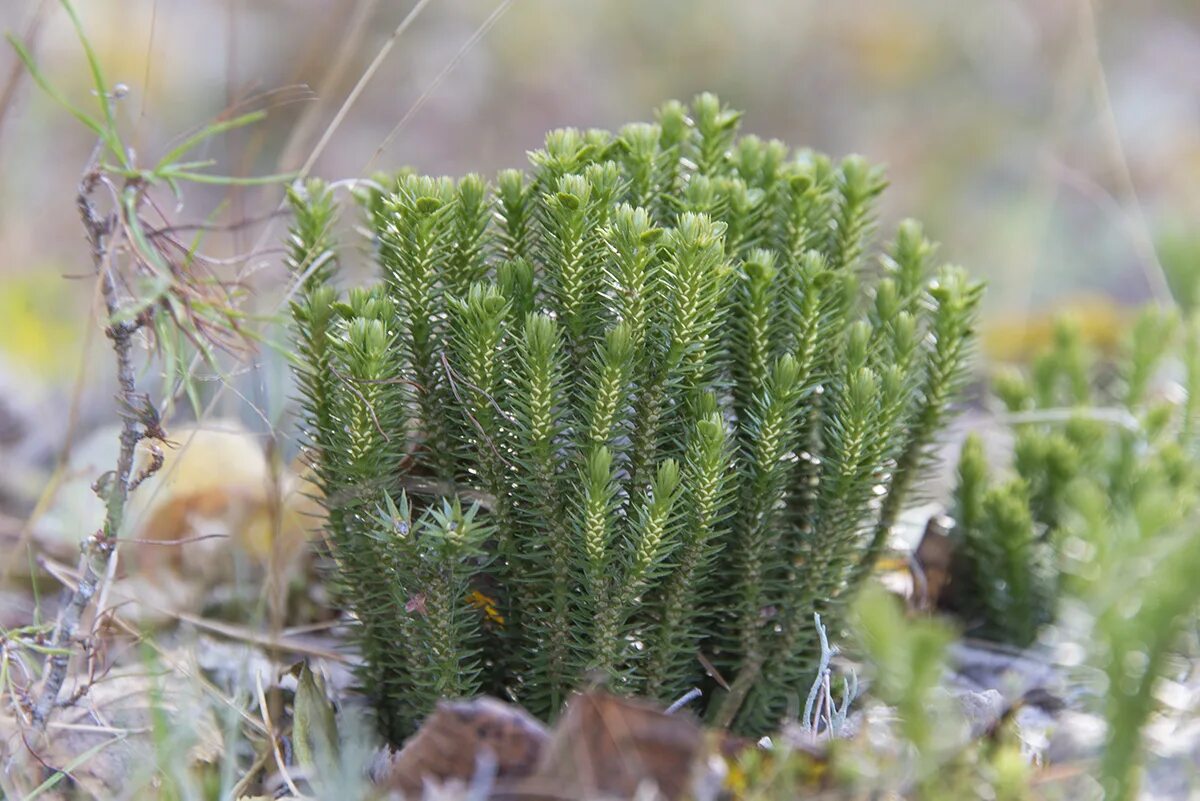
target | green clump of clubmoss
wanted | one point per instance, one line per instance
(676, 406)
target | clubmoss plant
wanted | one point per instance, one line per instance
(1077, 421)
(662, 374)
(1100, 518)
(1005, 563)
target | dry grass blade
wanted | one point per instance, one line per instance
(280, 762)
(363, 80)
(474, 39)
(350, 45)
(248, 635)
(9, 92)
(69, 579)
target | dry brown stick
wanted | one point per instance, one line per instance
(97, 548)
(731, 704)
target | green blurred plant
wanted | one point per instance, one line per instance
(1178, 248)
(1133, 571)
(1100, 518)
(650, 363)
(1004, 568)
(1075, 419)
(908, 661)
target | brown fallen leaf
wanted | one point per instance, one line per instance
(603, 746)
(933, 565)
(606, 746)
(450, 742)
(217, 482)
(218, 505)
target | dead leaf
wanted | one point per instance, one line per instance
(451, 740)
(217, 498)
(617, 747)
(933, 565)
(215, 480)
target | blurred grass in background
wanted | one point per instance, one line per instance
(1053, 147)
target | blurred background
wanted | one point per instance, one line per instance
(1052, 146)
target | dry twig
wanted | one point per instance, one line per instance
(97, 549)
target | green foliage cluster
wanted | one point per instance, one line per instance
(1005, 576)
(685, 407)
(1100, 516)
(1076, 422)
